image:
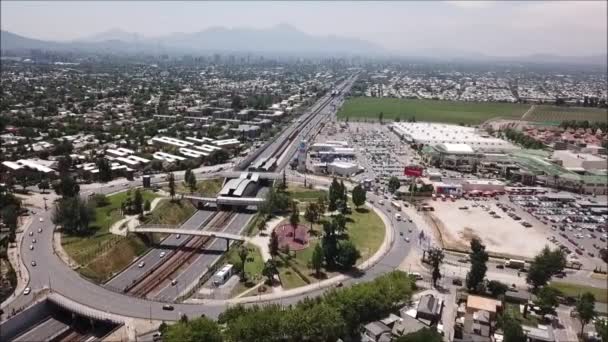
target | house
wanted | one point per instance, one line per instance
(429, 308)
(480, 315)
(376, 332)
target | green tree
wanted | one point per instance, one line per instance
(347, 254)
(273, 244)
(479, 257)
(66, 187)
(339, 222)
(243, 252)
(359, 196)
(321, 205)
(316, 260)
(199, 329)
(380, 117)
(334, 195)
(585, 308)
(393, 184)
(545, 265)
(192, 182)
(546, 300)
(294, 218)
(147, 205)
(171, 179)
(512, 329)
(435, 257)
(73, 214)
(310, 214)
(422, 335)
(138, 205)
(497, 288)
(10, 217)
(43, 185)
(601, 326)
(270, 270)
(105, 170)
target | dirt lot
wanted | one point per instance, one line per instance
(502, 236)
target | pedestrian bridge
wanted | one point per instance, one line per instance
(165, 229)
(225, 200)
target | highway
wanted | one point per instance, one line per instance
(152, 258)
(43, 331)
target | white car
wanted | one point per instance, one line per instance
(162, 254)
(39, 230)
(41, 219)
(27, 291)
(141, 264)
(31, 247)
(178, 236)
(33, 240)
(31, 233)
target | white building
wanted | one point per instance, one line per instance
(579, 162)
(434, 134)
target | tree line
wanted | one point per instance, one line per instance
(336, 314)
(584, 124)
(523, 140)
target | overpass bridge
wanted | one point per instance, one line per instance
(225, 200)
(260, 175)
(169, 229)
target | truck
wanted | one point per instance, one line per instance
(396, 205)
(514, 263)
(223, 275)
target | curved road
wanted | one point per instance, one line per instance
(51, 271)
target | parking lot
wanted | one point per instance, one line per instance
(461, 220)
(577, 226)
(378, 150)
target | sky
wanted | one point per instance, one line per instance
(495, 28)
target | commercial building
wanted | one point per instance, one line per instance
(580, 162)
(434, 134)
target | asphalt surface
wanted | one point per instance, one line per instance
(152, 259)
(43, 331)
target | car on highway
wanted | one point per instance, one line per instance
(141, 264)
(173, 282)
(41, 219)
(27, 291)
(33, 240)
(380, 202)
(178, 236)
(33, 263)
(407, 239)
(39, 230)
(168, 307)
(162, 254)
(31, 247)
(31, 233)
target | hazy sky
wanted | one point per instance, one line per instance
(494, 28)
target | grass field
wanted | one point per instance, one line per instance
(473, 113)
(558, 114)
(513, 310)
(101, 253)
(205, 187)
(168, 212)
(301, 193)
(573, 290)
(253, 267)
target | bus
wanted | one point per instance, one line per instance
(514, 263)
(396, 205)
(222, 275)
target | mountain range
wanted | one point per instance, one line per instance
(280, 39)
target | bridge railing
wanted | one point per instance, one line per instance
(161, 226)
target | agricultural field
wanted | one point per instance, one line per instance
(471, 113)
(559, 114)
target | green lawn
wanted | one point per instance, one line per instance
(559, 113)
(253, 267)
(173, 213)
(573, 290)
(83, 249)
(513, 310)
(366, 230)
(290, 279)
(205, 187)
(429, 110)
(303, 194)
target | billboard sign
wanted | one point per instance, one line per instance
(413, 171)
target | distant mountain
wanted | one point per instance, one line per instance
(113, 34)
(12, 41)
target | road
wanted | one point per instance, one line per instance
(43, 331)
(152, 258)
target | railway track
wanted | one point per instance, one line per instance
(177, 260)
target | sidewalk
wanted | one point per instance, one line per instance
(118, 228)
(14, 258)
(60, 252)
